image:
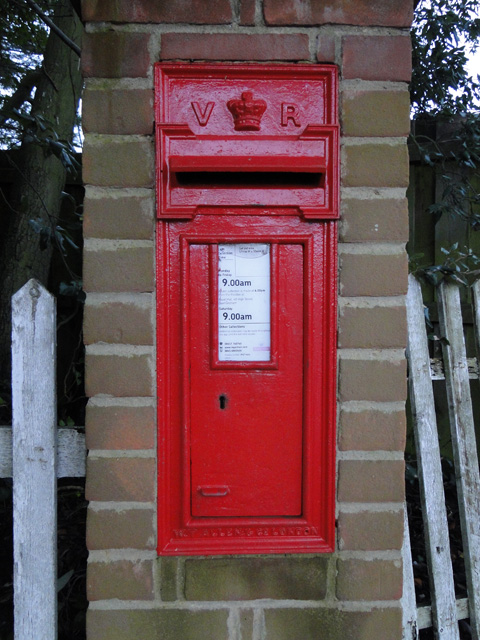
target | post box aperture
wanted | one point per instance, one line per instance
(247, 186)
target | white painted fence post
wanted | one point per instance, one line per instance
(437, 544)
(34, 463)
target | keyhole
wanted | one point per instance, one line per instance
(222, 401)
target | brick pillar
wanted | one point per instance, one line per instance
(353, 593)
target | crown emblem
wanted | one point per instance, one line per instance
(247, 112)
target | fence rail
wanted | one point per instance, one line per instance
(35, 453)
(445, 610)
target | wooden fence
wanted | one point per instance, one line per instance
(34, 452)
(446, 610)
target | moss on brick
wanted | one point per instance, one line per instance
(158, 624)
(296, 578)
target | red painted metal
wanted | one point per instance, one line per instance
(246, 448)
(287, 128)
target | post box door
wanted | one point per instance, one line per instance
(246, 415)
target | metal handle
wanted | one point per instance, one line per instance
(213, 491)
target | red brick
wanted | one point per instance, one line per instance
(122, 580)
(373, 275)
(369, 580)
(126, 529)
(375, 165)
(328, 623)
(120, 479)
(173, 11)
(372, 327)
(118, 161)
(371, 481)
(382, 220)
(372, 380)
(234, 46)
(370, 530)
(247, 12)
(118, 112)
(115, 55)
(377, 58)
(372, 430)
(120, 427)
(119, 216)
(124, 321)
(118, 375)
(162, 623)
(376, 113)
(384, 13)
(326, 49)
(128, 269)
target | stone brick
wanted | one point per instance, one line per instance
(118, 161)
(372, 430)
(383, 13)
(119, 111)
(373, 275)
(255, 578)
(247, 12)
(190, 12)
(332, 624)
(369, 579)
(326, 48)
(382, 220)
(118, 269)
(377, 58)
(118, 375)
(156, 624)
(371, 481)
(123, 321)
(120, 427)
(169, 568)
(126, 529)
(370, 531)
(122, 579)
(114, 54)
(119, 216)
(375, 165)
(246, 619)
(234, 46)
(372, 380)
(120, 479)
(372, 327)
(376, 113)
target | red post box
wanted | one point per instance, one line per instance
(247, 189)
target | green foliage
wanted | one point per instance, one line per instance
(444, 32)
(22, 40)
(460, 266)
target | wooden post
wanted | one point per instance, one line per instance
(444, 612)
(34, 463)
(462, 428)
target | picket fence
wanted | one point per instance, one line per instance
(35, 453)
(457, 371)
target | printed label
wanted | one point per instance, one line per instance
(244, 302)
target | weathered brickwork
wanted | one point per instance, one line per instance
(354, 592)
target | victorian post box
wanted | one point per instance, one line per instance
(247, 190)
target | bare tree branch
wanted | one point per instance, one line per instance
(21, 95)
(43, 16)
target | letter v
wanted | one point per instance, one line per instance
(203, 116)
